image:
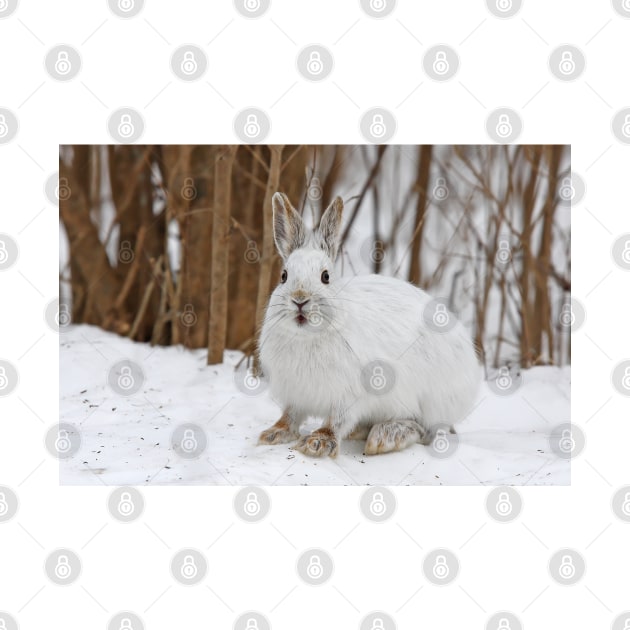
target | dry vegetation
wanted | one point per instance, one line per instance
(173, 244)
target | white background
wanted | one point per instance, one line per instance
(252, 63)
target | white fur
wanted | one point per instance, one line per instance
(316, 370)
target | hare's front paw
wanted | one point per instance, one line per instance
(320, 443)
(276, 435)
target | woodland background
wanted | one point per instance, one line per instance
(174, 244)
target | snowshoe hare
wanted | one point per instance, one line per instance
(359, 351)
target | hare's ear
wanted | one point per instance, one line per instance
(288, 228)
(329, 228)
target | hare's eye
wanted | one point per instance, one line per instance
(325, 277)
(284, 276)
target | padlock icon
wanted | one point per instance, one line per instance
(567, 63)
(63, 443)
(440, 316)
(377, 126)
(567, 317)
(378, 5)
(626, 7)
(625, 254)
(567, 191)
(440, 190)
(504, 506)
(252, 624)
(4, 506)
(440, 63)
(63, 317)
(252, 5)
(625, 381)
(125, 379)
(567, 568)
(189, 191)
(62, 64)
(504, 379)
(126, 506)
(125, 126)
(315, 189)
(504, 5)
(189, 317)
(4, 254)
(125, 624)
(63, 570)
(626, 625)
(504, 624)
(378, 624)
(625, 129)
(314, 64)
(504, 253)
(125, 254)
(315, 317)
(441, 569)
(377, 254)
(252, 126)
(314, 569)
(252, 255)
(440, 442)
(252, 381)
(4, 381)
(504, 126)
(4, 4)
(378, 380)
(252, 504)
(625, 506)
(126, 5)
(3, 624)
(377, 504)
(62, 191)
(189, 63)
(189, 441)
(189, 569)
(4, 128)
(566, 443)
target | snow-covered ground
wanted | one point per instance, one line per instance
(128, 440)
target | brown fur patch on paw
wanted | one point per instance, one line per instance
(321, 443)
(279, 433)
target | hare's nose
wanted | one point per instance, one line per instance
(300, 304)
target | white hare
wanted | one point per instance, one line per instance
(359, 351)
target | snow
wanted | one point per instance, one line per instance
(126, 440)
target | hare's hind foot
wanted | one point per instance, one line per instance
(281, 432)
(320, 443)
(394, 435)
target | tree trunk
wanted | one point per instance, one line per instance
(217, 329)
(422, 185)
